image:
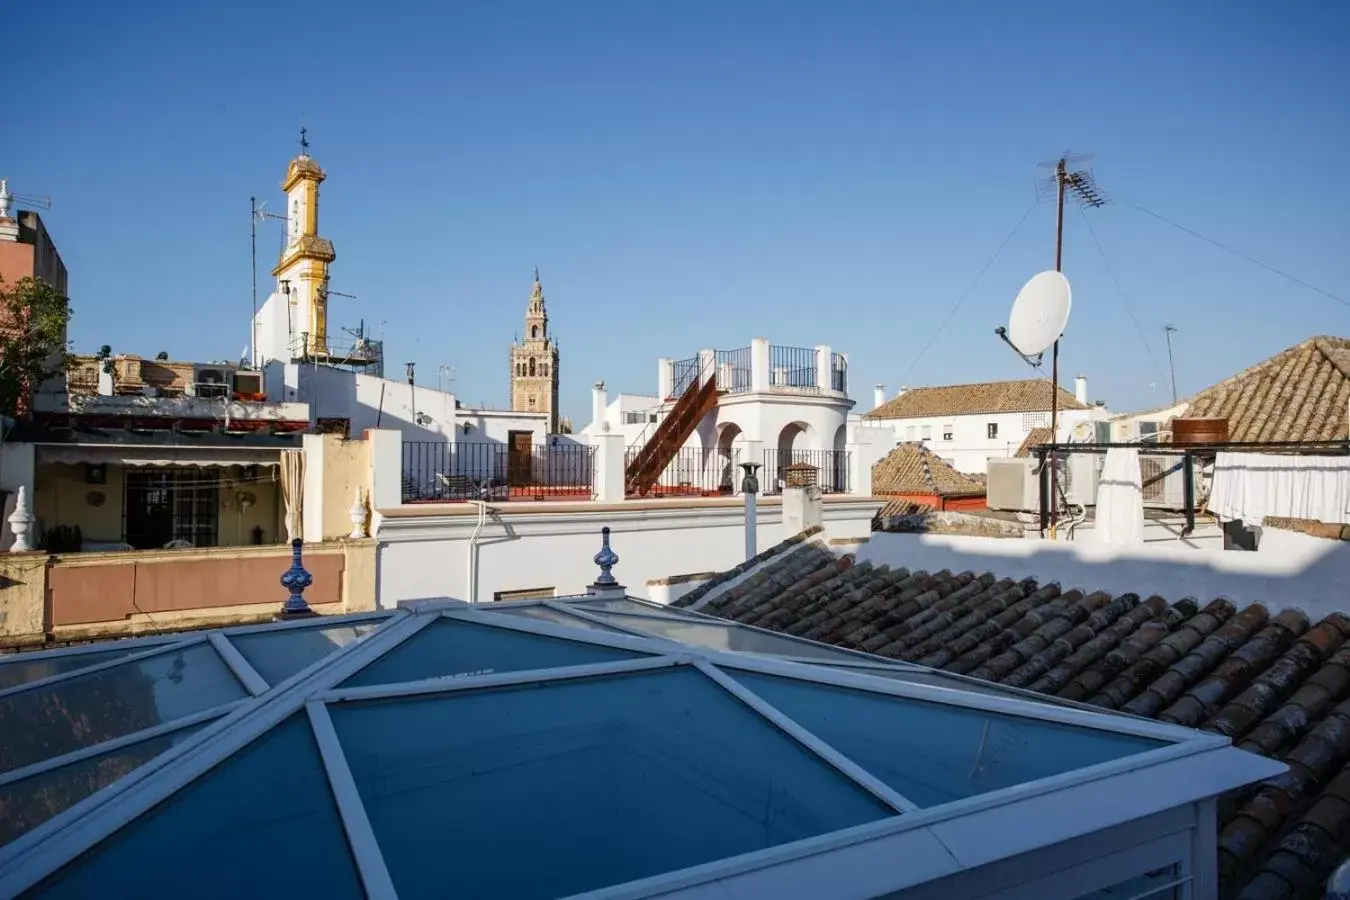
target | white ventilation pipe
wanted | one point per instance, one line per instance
(878, 395)
(1080, 389)
(471, 591)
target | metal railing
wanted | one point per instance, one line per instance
(831, 469)
(792, 367)
(693, 472)
(733, 370)
(686, 370)
(838, 373)
(439, 472)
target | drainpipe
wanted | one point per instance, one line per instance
(471, 591)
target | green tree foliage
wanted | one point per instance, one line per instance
(33, 319)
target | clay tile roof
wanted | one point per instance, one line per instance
(1299, 394)
(1275, 683)
(1035, 437)
(914, 469)
(1030, 395)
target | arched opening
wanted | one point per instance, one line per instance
(792, 448)
(534, 332)
(837, 478)
(532, 366)
(729, 455)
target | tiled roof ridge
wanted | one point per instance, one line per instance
(1322, 342)
(782, 546)
(1011, 393)
(1274, 682)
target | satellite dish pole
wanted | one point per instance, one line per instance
(1172, 367)
(1085, 191)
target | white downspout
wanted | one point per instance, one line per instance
(471, 590)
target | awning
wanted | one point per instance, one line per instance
(203, 457)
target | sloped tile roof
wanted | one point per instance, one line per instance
(912, 468)
(1275, 683)
(1035, 437)
(1029, 395)
(1299, 394)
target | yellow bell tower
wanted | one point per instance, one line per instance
(302, 273)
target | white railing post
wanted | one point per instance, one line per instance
(823, 367)
(707, 360)
(759, 366)
(609, 466)
(665, 378)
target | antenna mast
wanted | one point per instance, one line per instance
(1083, 187)
(1167, 332)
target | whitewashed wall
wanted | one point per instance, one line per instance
(971, 448)
(522, 549)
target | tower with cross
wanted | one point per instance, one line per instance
(302, 271)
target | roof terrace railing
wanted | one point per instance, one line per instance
(793, 367)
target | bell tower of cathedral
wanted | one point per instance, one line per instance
(534, 362)
(302, 272)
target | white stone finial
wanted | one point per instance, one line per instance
(21, 522)
(5, 198)
(357, 512)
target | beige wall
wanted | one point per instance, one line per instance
(61, 498)
(346, 466)
(96, 595)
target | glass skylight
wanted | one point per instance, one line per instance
(64, 716)
(267, 809)
(726, 637)
(605, 780)
(465, 751)
(934, 754)
(462, 648)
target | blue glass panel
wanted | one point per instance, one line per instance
(934, 754)
(88, 709)
(21, 670)
(262, 823)
(26, 804)
(552, 788)
(447, 647)
(548, 614)
(279, 654)
(937, 678)
(727, 637)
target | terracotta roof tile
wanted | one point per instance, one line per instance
(914, 469)
(1300, 394)
(1276, 684)
(1028, 395)
(1035, 437)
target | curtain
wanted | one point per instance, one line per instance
(1251, 486)
(293, 490)
(1120, 499)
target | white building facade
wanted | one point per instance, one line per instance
(776, 406)
(968, 425)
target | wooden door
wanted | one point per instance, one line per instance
(519, 450)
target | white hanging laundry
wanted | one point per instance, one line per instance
(1120, 499)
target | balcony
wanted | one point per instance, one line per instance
(761, 367)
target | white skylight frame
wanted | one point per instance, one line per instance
(35, 855)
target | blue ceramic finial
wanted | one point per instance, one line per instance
(606, 559)
(296, 579)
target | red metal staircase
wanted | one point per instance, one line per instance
(696, 402)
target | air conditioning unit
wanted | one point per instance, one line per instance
(1163, 479)
(1012, 485)
(1082, 471)
(247, 384)
(210, 381)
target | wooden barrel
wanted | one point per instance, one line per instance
(1190, 432)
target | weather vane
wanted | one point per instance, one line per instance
(304, 142)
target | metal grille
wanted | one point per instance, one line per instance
(166, 504)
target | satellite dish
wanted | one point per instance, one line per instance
(1040, 313)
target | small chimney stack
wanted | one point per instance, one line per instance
(901, 392)
(878, 395)
(598, 403)
(1080, 389)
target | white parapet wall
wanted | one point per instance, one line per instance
(426, 551)
(1289, 569)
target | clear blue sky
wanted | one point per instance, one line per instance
(696, 174)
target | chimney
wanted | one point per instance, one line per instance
(598, 403)
(901, 392)
(878, 395)
(1080, 389)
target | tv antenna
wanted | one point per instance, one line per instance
(1168, 331)
(1041, 310)
(41, 201)
(446, 372)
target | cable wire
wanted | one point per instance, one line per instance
(970, 290)
(1238, 253)
(1123, 299)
